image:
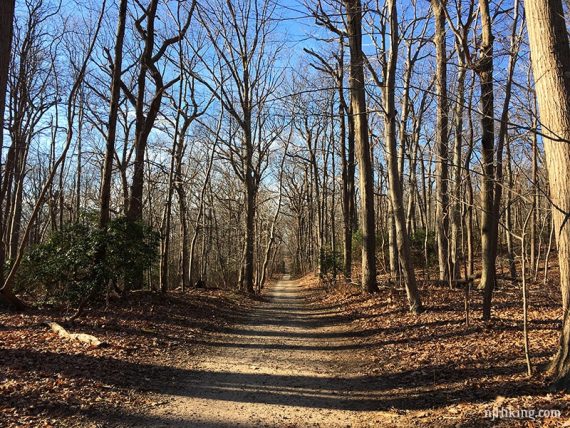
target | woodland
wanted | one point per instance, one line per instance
(284, 213)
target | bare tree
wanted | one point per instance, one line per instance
(461, 29)
(71, 105)
(116, 67)
(361, 131)
(484, 69)
(145, 118)
(396, 189)
(442, 171)
(6, 27)
(550, 54)
(242, 76)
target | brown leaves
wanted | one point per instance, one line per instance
(442, 372)
(47, 381)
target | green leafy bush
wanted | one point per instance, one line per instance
(331, 261)
(130, 247)
(78, 261)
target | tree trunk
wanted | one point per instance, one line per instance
(396, 192)
(6, 27)
(346, 199)
(503, 137)
(147, 112)
(392, 243)
(184, 233)
(164, 266)
(107, 178)
(442, 200)
(347, 159)
(509, 216)
(469, 221)
(366, 175)
(550, 54)
(247, 280)
(143, 124)
(79, 171)
(455, 209)
(488, 234)
(271, 238)
(200, 215)
(535, 194)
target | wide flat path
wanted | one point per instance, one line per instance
(290, 364)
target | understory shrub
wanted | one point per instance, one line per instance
(77, 262)
(331, 262)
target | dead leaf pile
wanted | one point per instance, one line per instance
(441, 372)
(46, 380)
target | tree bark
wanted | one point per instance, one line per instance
(488, 234)
(347, 161)
(455, 208)
(550, 56)
(396, 191)
(360, 115)
(146, 113)
(533, 220)
(442, 172)
(503, 137)
(107, 178)
(250, 201)
(6, 30)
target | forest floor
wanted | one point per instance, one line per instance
(296, 357)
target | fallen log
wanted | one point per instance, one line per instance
(81, 337)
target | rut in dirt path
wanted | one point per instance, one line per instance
(285, 366)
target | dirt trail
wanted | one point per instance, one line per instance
(288, 365)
